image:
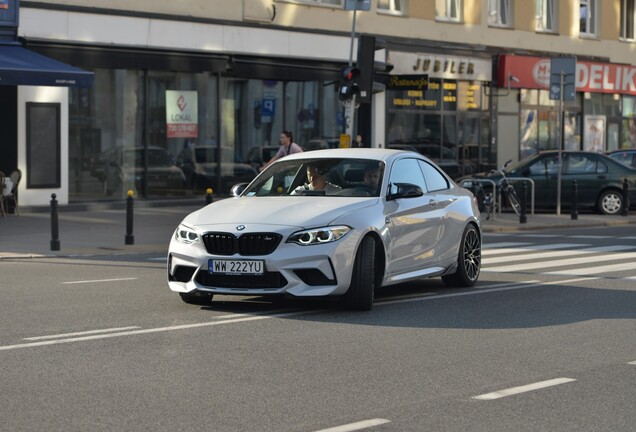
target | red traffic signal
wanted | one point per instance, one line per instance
(350, 74)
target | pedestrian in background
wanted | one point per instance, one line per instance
(287, 147)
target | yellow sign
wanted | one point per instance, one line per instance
(345, 141)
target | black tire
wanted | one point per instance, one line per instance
(361, 292)
(610, 202)
(197, 298)
(468, 260)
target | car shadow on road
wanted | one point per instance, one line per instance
(527, 307)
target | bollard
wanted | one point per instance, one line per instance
(625, 208)
(522, 213)
(130, 238)
(208, 196)
(574, 212)
(55, 231)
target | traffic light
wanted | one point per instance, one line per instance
(374, 74)
(349, 83)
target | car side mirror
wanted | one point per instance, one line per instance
(238, 189)
(404, 190)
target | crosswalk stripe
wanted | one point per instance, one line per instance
(594, 270)
(528, 256)
(508, 251)
(564, 262)
(504, 244)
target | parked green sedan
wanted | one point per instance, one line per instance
(599, 180)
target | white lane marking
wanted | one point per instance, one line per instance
(153, 330)
(540, 235)
(590, 236)
(484, 290)
(523, 389)
(594, 270)
(158, 259)
(99, 280)
(632, 363)
(63, 335)
(364, 424)
(503, 244)
(562, 263)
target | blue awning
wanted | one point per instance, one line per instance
(20, 66)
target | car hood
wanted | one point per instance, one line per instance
(303, 212)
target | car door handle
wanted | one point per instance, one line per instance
(433, 203)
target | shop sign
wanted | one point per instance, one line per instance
(441, 66)
(182, 114)
(9, 13)
(534, 72)
(418, 92)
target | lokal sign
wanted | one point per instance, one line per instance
(182, 114)
(534, 73)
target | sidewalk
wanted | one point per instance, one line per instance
(100, 228)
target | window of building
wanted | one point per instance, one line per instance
(546, 15)
(396, 7)
(587, 15)
(628, 10)
(499, 13)
(448, 10)
(317, 2)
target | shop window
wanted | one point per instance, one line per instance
(546, 15)
(499, 13)
(628, 13)
(587, 17)
(395, 7)
(448, 10)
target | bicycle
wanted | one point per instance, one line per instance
(485, 201)
(507, 191)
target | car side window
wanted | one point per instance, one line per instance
(580, 164)
(434, 179)
(407, 171)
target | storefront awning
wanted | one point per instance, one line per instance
(20, 66)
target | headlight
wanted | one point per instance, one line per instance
(186, 235)
(318, 235)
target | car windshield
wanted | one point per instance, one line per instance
(320, 177)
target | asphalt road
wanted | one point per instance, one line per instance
(545, 342)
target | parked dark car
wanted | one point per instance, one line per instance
(626, 156)
(123, 169)
(599, 180)
(199, 164)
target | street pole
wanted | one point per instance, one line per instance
(560, 144)
(350, 105)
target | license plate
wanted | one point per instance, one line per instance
(235, 267)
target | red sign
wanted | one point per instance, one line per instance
(534, 73)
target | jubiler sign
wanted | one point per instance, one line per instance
(182, 114)
(534, 72)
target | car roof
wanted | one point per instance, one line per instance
(380, 154)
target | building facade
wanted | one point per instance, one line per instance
(195, 94)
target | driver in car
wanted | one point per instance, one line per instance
(316, 181)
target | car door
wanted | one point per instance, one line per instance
(413, 224)
(543, 171)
